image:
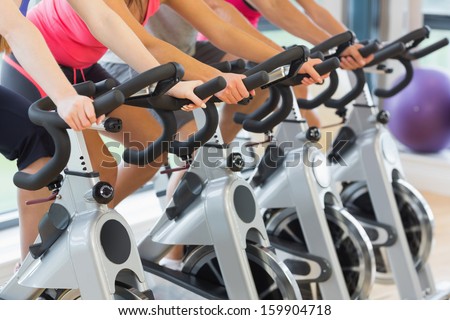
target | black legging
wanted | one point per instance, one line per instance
(19, 138)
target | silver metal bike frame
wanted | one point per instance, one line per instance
(302, 182)
(373, 159)
(77, 259)
(225, 216)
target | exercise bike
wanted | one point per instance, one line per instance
(365, 160)
(213, 211)
(304, 216)
(84, 249)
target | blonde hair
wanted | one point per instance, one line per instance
(3, 45)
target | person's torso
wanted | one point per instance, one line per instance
(66, 34)
(169, 26)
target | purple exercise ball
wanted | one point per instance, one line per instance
(420, 113)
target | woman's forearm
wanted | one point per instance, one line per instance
(286, 16)
(322, 17)
(23, 37)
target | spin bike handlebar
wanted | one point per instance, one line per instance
(325, 98)
(294, 57)
(411, 41)
(400, 50)
(253, 123)
(256, 77)
(103, 104)
(235, 66)
(57, 128)
(163, 106)
(413, 38)
(406, 59)
(325, 95)
(204, 134)
(379, 56)
(340, 42)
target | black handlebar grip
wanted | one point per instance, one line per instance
(335, 41)
(107, 102)
(211, 87)
(370, 48)
(352, 94)
(104, 86)
(251, 82)
(144, 79)
(389, 51)
(223, 66)
(238, 66)
(267, 107)
(166, 102)
(409, 73)
(426, 51)
(415, 35)
(52, 168)
(256, 80)
(276, 117)
(286, 57)
(39, 114)
(317, 55)
(158, 147)
(235, 66)
(86, 88)
(324, 96)
(321, 68)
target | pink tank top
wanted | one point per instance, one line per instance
(248, 12)
(66, 34)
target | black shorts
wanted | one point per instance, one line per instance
(207, 53)
(14, 77)
(19, 138)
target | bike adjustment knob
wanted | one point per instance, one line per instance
(103, 192)
(313, 134)
(383, 117)
(235, 162)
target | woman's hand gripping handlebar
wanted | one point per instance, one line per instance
(104, 104)
(57, 128)
(352, 55)
(279, 73)
(379, 55)
(369, 49)
(184, 149)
